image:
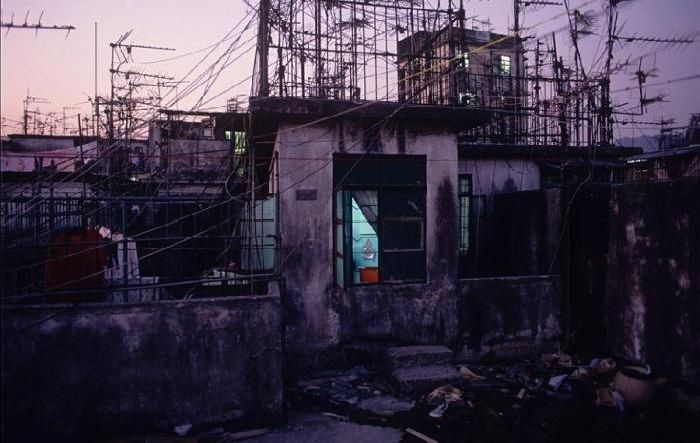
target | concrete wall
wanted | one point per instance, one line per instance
(193, 155)
(509, 316)
(520, 232)
(41, 143)
(653, 282)
(410, 313)
(318, 315)
(78, 371)
(492, 176)
(55, 189)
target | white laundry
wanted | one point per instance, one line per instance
(116, 268)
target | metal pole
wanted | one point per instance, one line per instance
(125, 251)
(317, 38)
(26, 114)
(516, 52)
(96, 116)
(263, 42)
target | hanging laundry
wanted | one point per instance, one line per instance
(75, 260)
(117, 265)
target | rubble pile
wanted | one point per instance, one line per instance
(553, 398)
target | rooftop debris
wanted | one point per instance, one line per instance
(547, 399)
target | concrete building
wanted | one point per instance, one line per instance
(28, 153)
(387, 232)
(369, 223)
(459, 67)
(668, 164)
(182, 146)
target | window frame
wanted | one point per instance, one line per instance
(467, 99)
(381, 189)
(502, 58)
(463, 58)
(382, 222)
(470, 195)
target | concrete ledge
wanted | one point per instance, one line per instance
(508, 317)
(77, 372)
(411, 356)
(420, 380)
(308, 109)
(419, 313)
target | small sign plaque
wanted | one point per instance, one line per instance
(306, 194)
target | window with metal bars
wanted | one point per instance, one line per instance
(379, 219)
(505, 65)
(465, 200)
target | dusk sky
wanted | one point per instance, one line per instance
(62, 69)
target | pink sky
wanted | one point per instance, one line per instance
(62, 69)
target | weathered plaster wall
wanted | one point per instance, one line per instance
(584, 249)
(319, 317)
(653, 283)
(520, 232)
(305, 163)
(492, 176)
(99, 369)
(509, 316)
(411, 313)
(42, 143)
(205, 155)
(49, 189)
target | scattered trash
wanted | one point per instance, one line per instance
(512, 393)
(182, 430)
(601, 366)
(561, 359)
(565, 361)
(421, 436)
(447, 393)
(559, 388)
(556, 382)
(535, 384)
(468, 375)
(439, 411)
(579, 374)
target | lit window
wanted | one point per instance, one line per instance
(239, 142)
(505, 64)
(207, 133)
(239, 149)
(465, 197)
(463, 59)
(467, 99)
(379, 220)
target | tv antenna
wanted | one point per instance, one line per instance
(35, 26)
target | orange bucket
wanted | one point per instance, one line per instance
(369, 275)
